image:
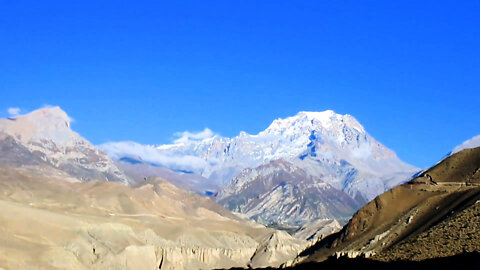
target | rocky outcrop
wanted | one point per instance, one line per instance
(275, 249)
(317, 230)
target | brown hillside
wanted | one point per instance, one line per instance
(408, 210)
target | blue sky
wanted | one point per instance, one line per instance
(409, 71)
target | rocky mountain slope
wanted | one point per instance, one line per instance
(44, 138)
(333, 150)
(283, 195)
(409, 221)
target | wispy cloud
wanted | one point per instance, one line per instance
(168, 159)
(187, 136)
(153, 155)
(13, 111)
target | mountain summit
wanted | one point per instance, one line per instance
(46, 124)
(44, 139)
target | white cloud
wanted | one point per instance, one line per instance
(14, 111)
(187, 136)
(151, 154)
(168, 159)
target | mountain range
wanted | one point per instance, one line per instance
(328, 154)
(66, 204)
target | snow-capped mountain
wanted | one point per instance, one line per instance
(281, 194)
(334, 146)
(43, 138)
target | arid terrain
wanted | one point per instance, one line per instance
(48, 223)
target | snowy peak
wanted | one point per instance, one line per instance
(324, 120)
(327, 134)
(325, 127)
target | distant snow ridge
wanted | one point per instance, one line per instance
(321, 143)
(472, 143)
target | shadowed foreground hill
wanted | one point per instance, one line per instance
(461, 261)
(434, 215)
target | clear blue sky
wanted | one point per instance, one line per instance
(409, 71)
